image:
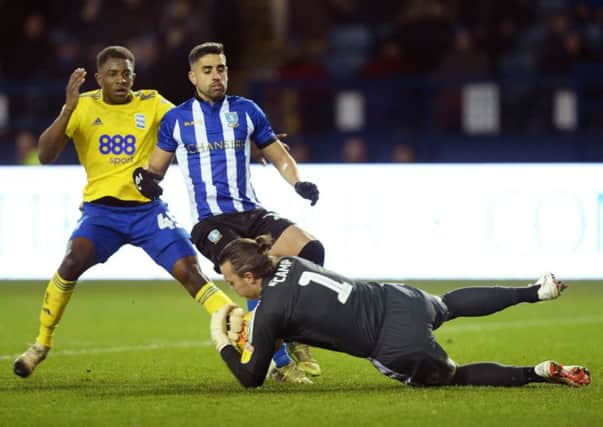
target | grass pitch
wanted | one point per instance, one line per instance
(139, 354)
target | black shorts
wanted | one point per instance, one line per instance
(407, 349)
(213, 233)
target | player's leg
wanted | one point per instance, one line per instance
(423, 369)
(58, 293)
(431, 366)
(436, 363)
(92, 242)
(295, 241)
(169, 246)
(494, 374)
(481, 301)
(80, 257)
(187, 272)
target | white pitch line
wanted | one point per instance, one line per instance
(446, 328)
(121, 349)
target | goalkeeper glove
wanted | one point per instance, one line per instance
(230, 314)
(147, 183)
(307, 190)
(235, 324)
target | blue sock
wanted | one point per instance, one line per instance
(281, 357)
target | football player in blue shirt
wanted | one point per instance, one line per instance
(211, 136)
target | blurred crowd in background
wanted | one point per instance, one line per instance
(348, 80)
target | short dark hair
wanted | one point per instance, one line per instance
(249, 255)
(110, 52)
(205, 49)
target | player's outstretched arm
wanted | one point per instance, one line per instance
(278, 155)
(249, 368)
(53, 139)
(258, 155)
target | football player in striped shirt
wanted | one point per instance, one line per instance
(114, 130)
(211, 135)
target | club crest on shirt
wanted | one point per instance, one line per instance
(140, 121)
(214, 236)
(232, 119)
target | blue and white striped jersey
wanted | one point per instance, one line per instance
(213, 148)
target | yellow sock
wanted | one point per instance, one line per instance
(212, 298)
(58, 293)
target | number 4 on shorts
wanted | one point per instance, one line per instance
(164, 221)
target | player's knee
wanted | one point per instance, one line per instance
(313, 251)
(430, 372)
(450, 302)
(187, 271)
(74, 264)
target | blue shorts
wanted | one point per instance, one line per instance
(149, 226)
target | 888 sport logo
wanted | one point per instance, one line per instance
(117, 144)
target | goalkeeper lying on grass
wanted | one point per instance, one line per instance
(390, 324)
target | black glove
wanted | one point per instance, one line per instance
(147, 183)
(308, 191)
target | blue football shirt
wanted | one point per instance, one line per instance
(213, 148)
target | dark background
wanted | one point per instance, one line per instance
(408, 62)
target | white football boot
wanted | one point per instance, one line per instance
(550, 287)
(573, 375)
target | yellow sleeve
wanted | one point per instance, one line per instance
(163, 106)
(74, 121)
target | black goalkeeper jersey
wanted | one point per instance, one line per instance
(306, 303)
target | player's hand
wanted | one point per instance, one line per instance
(234, 324)
(218, 327)
(72, 91)
(147, 183)
(307, 190)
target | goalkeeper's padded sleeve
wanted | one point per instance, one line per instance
(233, 360)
